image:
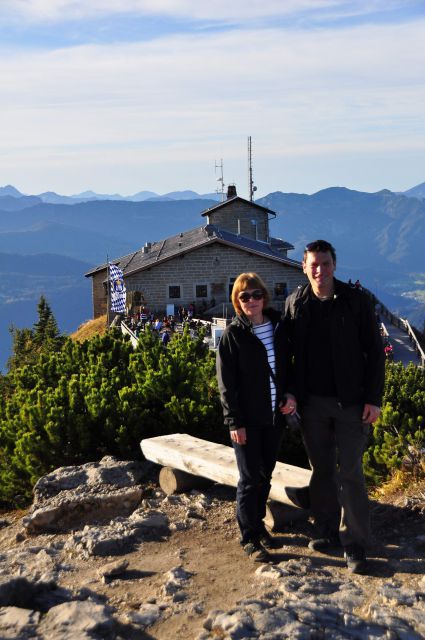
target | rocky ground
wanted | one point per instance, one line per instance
(103, 553)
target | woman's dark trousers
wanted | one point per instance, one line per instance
(256, 460)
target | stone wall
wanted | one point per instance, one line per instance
(215, 267)
(242, 218)
(99, 294)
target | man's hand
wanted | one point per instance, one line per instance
(238, 435)
(370, 413)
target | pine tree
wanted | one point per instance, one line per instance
(22, 347)
(46, 327)
(28, 344)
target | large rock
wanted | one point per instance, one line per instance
(72, 620)
(108, 471)
(18, 623)
(92, 492)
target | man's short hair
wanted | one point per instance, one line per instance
(320, 245)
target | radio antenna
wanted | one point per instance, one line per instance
(220, 179)
(251, 187)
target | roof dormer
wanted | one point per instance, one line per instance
(241, 217)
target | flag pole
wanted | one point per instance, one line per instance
(108, 294)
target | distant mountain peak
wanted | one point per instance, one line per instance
(9, 190)
(85, 194)
(142, 195)
(186, 194)
(416, 192)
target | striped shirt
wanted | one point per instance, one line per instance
(265, 333)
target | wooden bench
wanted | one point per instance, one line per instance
(188, 462)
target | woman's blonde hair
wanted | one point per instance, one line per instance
(248, 281)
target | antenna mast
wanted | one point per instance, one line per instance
(251, 187)
(220, 179)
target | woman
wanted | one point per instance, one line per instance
(253, 364)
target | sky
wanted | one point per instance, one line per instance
(120, 96)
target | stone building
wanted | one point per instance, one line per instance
(200, 265)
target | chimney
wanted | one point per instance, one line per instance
(231, 191)
(147, 247)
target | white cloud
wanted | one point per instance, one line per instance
(155, 107)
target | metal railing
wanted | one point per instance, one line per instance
(400, 323)
(125, 329)
(414, 339)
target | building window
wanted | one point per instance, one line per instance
(231, 283)
(280, 290)
(201, 291)
(174, 291)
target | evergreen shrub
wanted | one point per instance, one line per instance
(401, 424)
(99, 397)
(65, 403)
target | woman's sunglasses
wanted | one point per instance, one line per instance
(255, 295)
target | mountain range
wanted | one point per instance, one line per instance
(48, 242)
(51, 197)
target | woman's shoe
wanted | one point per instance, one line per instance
(257, 552)
(268, 541)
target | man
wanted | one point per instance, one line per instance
(339, 369)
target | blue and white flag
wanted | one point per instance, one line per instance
(116, 279)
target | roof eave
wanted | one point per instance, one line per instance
(288, 261)
(207, 240)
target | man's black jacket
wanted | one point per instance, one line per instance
(243, 373)
(357, 352)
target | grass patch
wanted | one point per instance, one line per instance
(89, 329)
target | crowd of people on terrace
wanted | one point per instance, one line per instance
(163, 325)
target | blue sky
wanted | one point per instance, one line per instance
(122, 96)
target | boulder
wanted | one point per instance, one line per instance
(81, 620)
(90, 493)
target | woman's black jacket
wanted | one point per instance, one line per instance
(243, 373)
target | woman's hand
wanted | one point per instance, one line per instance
(289, 406)
(238, 435)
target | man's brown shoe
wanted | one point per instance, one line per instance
(325, 543)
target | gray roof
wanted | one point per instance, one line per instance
(173, 246)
